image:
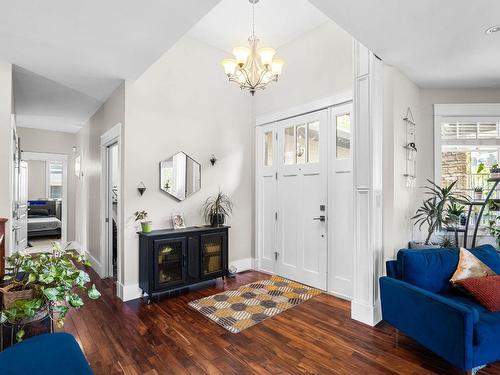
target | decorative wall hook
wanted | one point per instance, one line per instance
(213, 159)
(141, 187)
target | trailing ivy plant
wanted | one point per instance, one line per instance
(55, 282)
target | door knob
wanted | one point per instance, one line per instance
(320, 218)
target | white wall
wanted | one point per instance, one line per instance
(399, 200)
(184, 103)
(38, 140)
(5, 144)
(87, 191)
(317, 65)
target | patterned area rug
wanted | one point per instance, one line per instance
(238, 309)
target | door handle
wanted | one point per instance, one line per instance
(320, 218)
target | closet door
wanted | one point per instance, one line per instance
(266, 192)
(301, 197)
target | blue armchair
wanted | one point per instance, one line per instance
(54, 353)
(418, 300)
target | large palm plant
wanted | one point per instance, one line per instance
(435, 211)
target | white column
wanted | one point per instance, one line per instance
(368, 118)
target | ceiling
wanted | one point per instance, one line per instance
(277, 22)
(71, 56)
(436, 43)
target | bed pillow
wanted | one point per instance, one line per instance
(485, 289)
(38, 212)
(470, 266)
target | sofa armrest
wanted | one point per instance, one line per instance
(438, 323)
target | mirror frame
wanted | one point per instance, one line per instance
(160, 175)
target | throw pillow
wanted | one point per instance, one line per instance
(485, 289)
(470, 266)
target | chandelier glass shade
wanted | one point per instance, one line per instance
(253, 68)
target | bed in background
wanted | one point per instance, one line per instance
(43, 219)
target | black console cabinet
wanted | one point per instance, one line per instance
(173, 259)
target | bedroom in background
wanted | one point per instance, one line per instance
(46, 181)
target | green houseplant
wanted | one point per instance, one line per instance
(435, 211)
(142, 216)
(478, 193)
(216, 208)
(41, 283)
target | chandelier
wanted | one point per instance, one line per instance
(253, 69)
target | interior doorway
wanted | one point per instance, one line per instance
(111, 205)
(112, 181)
(46, 190)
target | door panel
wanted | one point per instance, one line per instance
(266, 161)
(301, 192)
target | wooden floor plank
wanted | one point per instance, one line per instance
(315, 337)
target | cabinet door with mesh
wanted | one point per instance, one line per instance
(170, 262)
(212, 254)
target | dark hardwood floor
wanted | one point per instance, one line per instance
(316, 337)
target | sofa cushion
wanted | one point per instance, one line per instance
(485, 289)
(431, 269)
(470, 266)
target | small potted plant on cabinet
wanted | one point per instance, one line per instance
(142, 216)
(216, 208)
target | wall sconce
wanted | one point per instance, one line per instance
(141, 188)
(213, 159)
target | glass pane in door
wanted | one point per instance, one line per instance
(290, 153)
(268, 149)
(343, 132)
(301, 144)
(169, 258)
(313, 142)
(212, 255)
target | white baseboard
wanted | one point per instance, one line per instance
(370, 315)
(243, 264)
(128, 292)
(96, 265)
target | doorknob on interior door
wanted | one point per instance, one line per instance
(320, 218)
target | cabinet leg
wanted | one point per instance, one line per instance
(149, 301)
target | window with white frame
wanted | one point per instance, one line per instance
(466, 144)
(54, 179)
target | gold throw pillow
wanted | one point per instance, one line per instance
(470, 266)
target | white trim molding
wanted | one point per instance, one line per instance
(128, 292)
(110, 137)
(367, 136)
(243, 264)
(317, 105)
(467, 109)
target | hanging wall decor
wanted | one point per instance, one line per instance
(411, 149)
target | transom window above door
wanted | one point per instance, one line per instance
(301, 144)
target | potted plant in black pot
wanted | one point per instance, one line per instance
(437, 211)
(216, 208)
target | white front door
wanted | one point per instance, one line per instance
(301, 246)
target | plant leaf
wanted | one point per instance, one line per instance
(20, 335)
(75, 300)
(93, 292)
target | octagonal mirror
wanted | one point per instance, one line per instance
(180, 176)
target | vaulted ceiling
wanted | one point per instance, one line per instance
(70, 56)
(73, 54)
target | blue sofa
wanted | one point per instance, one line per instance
(418, 299)
(54, 354)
